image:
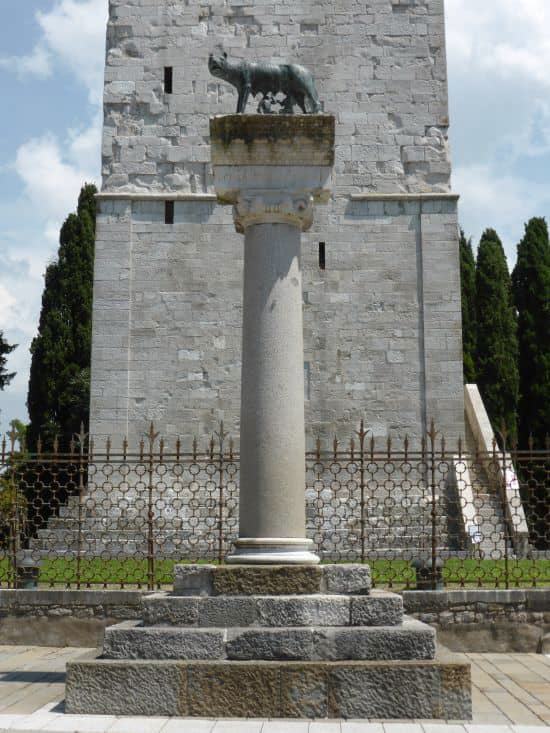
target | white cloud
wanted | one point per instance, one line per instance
(502, 202)
(51, 183)
(498, 56)
(507, 37)
(52, 168)
(7, 302)
(73, 37)
(75, 34)
(37, 63)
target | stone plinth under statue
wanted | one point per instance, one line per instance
(272, 169)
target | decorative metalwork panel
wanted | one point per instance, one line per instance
(77, 516)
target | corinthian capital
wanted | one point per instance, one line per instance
(273, 207)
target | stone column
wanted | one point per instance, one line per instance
(272, 169)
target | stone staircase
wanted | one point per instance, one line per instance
(271, 641)
(489, 512)
(108, 530)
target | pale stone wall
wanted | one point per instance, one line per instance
(382, 322)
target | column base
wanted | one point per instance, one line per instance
(273, 551)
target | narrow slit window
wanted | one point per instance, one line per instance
(168, 79)
(322, 258)
(168, 212)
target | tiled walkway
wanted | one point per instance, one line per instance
(511, 693)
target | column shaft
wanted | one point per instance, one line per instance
(272, 503)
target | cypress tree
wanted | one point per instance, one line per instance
(531, 283)
(468, 292)
(59, 384)
(497, 344)
(5, 349)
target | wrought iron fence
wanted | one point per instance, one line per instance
(424, 515)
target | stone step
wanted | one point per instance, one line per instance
(131, 640)
(377, 609)
(274, 580)
(435, 689)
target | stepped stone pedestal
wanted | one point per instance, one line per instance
(271, 641)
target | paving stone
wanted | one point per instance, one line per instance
(325, 727)
(239, 726)
(285, 726)
(81, 723)
(143, 725)
(189, 726)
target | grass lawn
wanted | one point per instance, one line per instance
(133, 572)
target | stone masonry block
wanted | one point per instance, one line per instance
(431, 689)
(193, 580)
(304, 611)
(385, 692)
(131, 641)
(164, 610)
(412, 640)
(378, 609)
(219, 691)
(227, 611)
(270, 644)
(304, 692)
(101, 687)
(348, 579)
(266, 580)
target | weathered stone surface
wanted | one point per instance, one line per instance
(234, 690)
(304, 691)
(456, 692)
(412, 640)
(193, 580)
(128, 641)
(384, 692)
(227, 611)
(166, 610)
(268, 580)
(348, 579)
(431, 689)
(254, 139)
(378, 609)
(304, 611)
(108, 687)
(271, 644)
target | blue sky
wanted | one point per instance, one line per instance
(51, 65)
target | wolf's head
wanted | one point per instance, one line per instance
(218, 65)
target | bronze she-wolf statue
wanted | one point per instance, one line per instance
(292, 80)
